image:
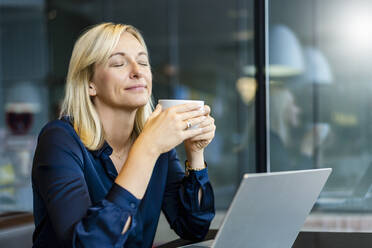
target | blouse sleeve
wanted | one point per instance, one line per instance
(59, 179)
(189, 219)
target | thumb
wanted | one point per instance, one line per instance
(157, 111)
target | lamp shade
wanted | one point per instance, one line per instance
(23, 101)
(317, 67)
(23, 97)
(285, 52)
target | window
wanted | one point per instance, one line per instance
(320, 52)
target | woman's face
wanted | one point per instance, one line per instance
(125, 81)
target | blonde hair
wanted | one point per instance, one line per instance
(95, 46)
(280, 99)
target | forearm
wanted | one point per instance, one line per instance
(136, 172)
(196, 160)
(193, 217)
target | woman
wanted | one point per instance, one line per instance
(284, 116)
(103, 172)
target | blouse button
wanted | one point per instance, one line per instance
(132, 205)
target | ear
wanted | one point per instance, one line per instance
(92, 89)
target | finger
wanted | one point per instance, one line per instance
(206, 136)
(188, 133)
(192, 132)
(207, 110)
(194, 121)
(156, 111)
(208, 128)
(208, 121)
(191, 114)
(185, 107)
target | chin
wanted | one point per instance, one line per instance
(136, 104)
(141, 105)
(136, 101)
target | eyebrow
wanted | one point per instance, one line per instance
(123, 54)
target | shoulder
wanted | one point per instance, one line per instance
(62, 128)
(275, 139)
(58, 125)
(59, 132)
(58, 142)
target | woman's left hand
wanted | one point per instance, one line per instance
(197, 143)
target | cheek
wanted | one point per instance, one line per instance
(149, 83)
(100, 78)
(112, 80)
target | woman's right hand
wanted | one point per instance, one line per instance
(314, 138)
(166, 129)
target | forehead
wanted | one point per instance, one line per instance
(129, 45)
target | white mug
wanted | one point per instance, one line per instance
(322, 131)
(167, 103)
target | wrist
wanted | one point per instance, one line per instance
(151, 149)
(195, 159)
(307, 150)
(188, 167)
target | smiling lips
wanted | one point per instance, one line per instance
(136, 87)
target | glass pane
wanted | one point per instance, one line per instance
(213, 51)
(320, 52)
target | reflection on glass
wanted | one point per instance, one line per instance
(246, 87)
(317, 69)
(285, 152)
(285, 53)
(334, 95)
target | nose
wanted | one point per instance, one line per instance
(134, 71)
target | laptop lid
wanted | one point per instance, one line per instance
(269, 209)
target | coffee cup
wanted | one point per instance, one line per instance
(322, 131)
(167, 103)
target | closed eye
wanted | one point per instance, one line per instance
(143, 63)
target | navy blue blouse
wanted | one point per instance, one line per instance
(77, 203)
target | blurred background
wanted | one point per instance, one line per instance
(319, 92)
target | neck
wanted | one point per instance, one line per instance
(118, 125)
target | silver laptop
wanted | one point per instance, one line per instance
(269, 209)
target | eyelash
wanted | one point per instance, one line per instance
(119, 65)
